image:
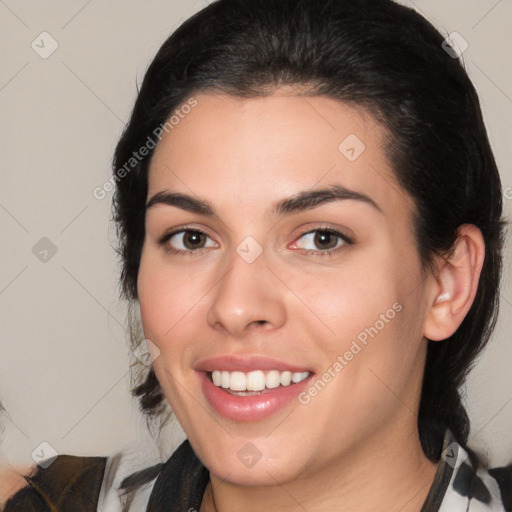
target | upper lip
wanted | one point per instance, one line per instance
(246, 363)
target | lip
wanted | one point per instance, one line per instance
(247, 363)
(250, 408)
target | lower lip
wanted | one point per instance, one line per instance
(250, 408)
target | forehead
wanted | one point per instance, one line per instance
(266, 148)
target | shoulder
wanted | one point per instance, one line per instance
(131, 484)
(11, 481)
(120, 482)
(58, 483)
(503, 477)
(473, 486)
(128, 481)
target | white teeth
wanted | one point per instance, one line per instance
(256, 380)
(273, 379)
(238, 382)
(298, 376)
(217, 378)
(225, 379)
(286, 378)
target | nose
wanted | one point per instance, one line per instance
(247, 298)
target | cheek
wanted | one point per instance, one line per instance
(365, 313)
(343, 302)
(370, 348)
(174, 301)
(166, 300)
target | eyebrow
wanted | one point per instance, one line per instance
(302, 201)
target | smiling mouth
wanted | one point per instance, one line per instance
(256, 382)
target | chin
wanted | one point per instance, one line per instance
(249, 466)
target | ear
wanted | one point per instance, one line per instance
(455, 284)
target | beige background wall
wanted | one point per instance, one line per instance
(63, 360)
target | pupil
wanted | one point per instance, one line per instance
(325, 239)
(193, 239)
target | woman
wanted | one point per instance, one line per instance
(309, 216)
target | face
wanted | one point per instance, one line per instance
(280, 259)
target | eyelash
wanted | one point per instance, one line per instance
(165, 238)
(163, 241)
(331, 231)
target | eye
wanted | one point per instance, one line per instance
(186, 241)
(322, 241)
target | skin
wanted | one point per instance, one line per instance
(335, 453)
(11, 480)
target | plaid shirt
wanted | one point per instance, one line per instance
(105, 484)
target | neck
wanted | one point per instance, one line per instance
(385, 474)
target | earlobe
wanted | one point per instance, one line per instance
(455, 284)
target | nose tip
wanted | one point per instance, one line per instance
(247, 298)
